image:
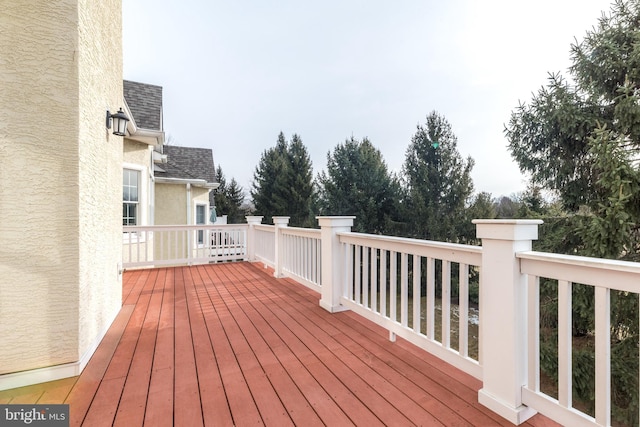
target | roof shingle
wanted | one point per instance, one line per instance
(188, 163)
(145, 102)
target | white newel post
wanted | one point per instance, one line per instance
(280, 222)
(251, 236)
(332, 260)
(503, 315)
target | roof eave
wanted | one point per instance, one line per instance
(195, 182)
(146, 136)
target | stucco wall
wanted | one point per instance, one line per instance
(61, 179)
(171, 209)
(171, 204)
(100, 172)
(137, 153)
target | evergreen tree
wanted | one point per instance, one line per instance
(549, 137)
(482, 206)
(610, 227)
(437, 182)
(282, 182)
(267, 187)
(507, 207)
(300, 181)
(532, 203)
(580, 137)
(229, 198)
(358, 183)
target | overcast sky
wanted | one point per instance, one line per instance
(236, 73)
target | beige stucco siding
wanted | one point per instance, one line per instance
(175, 205)
(61, 177)
(137, 153)
(100, 172)
(171, 204)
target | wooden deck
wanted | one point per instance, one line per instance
(228, 344)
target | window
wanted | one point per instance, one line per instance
(130, 197)
(201, 219)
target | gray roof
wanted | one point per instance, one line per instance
(188, 163)
(145, 102)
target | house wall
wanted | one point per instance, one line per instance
(100, 171)
(60, 219)
(171, 209)
(137, 153)
(171, 204)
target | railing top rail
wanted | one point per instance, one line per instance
(608, 273)
(455, 252)
(127, 228)
(302, 232)
(265, 227)
(600, 263)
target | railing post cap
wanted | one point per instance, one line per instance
(281, 220)
(507, 229)
(254, 219)
(335, 221)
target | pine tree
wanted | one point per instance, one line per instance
(358, 183)
(229, 198)
(549, 136)
(437, 182)
(300, 184)
(282, 184)
(267, 187)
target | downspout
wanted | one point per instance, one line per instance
(152, 194)
(189, 243)
(189, 222)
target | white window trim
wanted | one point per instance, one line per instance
(206, 222)
(143, 197)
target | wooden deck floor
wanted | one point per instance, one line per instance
(228, 344)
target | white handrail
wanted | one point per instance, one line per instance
(378, 272)
(602, 274)
(302, 256)
(149, 246)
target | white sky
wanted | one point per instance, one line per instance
(236, 73)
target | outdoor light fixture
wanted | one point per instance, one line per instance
(120, 120)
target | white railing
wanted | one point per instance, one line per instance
(392, 282)
(146, 246)
(265, 244)
(395, 282)
(604, 276)
(301, 258)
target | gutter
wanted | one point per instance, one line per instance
(183, 181)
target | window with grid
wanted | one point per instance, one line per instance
(130, 196)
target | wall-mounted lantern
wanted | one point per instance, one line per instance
(119, 120)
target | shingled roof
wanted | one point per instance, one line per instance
(188, 163)
(145, 102)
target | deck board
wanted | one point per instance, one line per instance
(368, 345)
(228, 344)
